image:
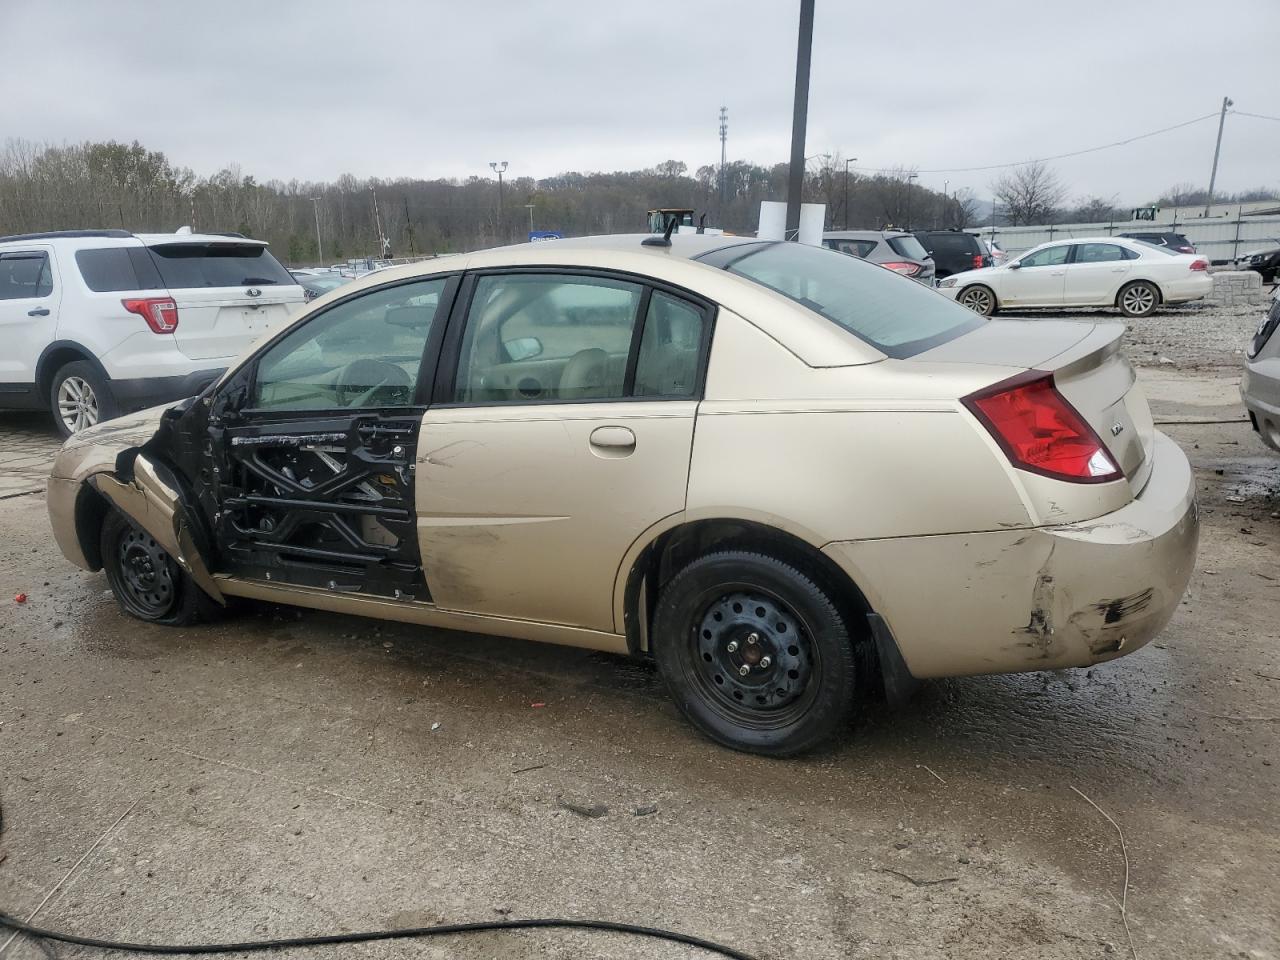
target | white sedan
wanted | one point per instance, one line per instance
(1090, 272)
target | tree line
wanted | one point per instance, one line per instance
(118, 185)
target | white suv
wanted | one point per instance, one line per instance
(96, 323)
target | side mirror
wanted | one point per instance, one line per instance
(1016, 265)
(523, 348)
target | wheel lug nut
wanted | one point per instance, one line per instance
(753, 638)
(764, 663)
(733, 646)
(743, 670)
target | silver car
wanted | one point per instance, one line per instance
(1260, 385)
(898, 251)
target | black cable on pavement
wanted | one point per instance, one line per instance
(440, 930)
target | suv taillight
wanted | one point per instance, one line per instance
(161, 313)
(1040, 431)
(1199, 264)
(902, 267)
(979, 261)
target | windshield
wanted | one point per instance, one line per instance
(183, 266)
(892, 313)
(908, 246)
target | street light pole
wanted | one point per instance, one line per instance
(1222, 118)
(499, 167)
(910, 177)
(315, 206)
(799, 120)
(529, 207)
(848, 160)
(945, 209)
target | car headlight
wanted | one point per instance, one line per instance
(947, 282)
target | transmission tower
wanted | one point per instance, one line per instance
(724, 157)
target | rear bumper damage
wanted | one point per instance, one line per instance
(1036, 598)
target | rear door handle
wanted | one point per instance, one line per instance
(613, 439)
(38, 312)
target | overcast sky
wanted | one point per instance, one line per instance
(434, 88)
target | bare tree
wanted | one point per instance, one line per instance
(1030, 194)
(961, 210)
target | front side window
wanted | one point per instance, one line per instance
(895, 315)
(544, 336)
(363, 352)
(25, 276)
(1048, 257)
(1098, 253)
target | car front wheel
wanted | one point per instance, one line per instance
(755, 653)
(1138, 299)
(147, 582)
(979, 299)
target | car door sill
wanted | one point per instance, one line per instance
(419, 612)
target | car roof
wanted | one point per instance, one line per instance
(863, 234)
(109, 238)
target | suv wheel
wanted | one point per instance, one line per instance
(979, 299)
(1138, 299)
(147, 582)
(80, 397)
(755, 654)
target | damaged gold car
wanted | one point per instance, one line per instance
(787, 475)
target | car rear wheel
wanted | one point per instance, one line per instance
(1138, 299)
(147, 582)
(80, 397)
(755, 654)
(979, 299)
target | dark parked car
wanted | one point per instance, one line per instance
(1266, 262)
(1176, 242)
(954, 251)
(899, 251)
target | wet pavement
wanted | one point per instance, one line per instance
(285, 772)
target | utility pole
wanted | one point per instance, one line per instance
(848, 160)
(1222, 119)
(724, 159)
(799, 120)
(315, 206)
(377, 224)
(500, 167)
(413, 247)
(529, 207)
(945, 210)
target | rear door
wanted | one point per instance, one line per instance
(1096, 272)
(563, 430)
(29, 297)
(313, 446)
(229, 294)
(1037, 280)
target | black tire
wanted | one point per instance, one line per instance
(978, 298)
(1138, 299)
(85, 387)
(730, 610)
(148, 583)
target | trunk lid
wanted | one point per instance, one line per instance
(1088, 369)
(229, 292)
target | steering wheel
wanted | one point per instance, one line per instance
(360, 380)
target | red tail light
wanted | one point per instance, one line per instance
(1199, 264)
(902, 267)
(979, 261)
(1040, 431)
(161, 313)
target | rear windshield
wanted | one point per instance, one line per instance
(897, 316)
(186, 265)
(1156, 246)
(908, 246)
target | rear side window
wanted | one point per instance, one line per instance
(184, 266)
(895, 315)
(113, 269)
(908, 246)
(25, 276)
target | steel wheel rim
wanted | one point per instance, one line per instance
(976, 300)
(746, 627)
(1139, 299)
(147, 575)
(77, 404)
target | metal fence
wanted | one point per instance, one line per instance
(1221, 239)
